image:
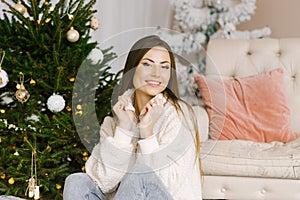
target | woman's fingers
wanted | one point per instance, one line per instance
(126, 117)
(152, 103)
(124, 102)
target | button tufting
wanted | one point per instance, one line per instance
(263, 191)
(223, 190)
(249, 53)
(278, 54)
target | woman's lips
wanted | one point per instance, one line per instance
(153, 83)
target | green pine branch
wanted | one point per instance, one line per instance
(36, 45)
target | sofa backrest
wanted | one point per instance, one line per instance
(241, 58)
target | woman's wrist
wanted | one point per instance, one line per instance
(126, 126)
(145, 132)
(123, 135)
(148, 145)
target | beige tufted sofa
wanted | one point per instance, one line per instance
(236, 169)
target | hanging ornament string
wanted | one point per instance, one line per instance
(32, 188)
(3, 75)
(70, 16)
(2, 59)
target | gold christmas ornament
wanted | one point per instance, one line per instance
(85, 158)
(47, 20)
(78, 112)
(72, 35)
(11, 181)
(22, 94)
(69, 108)
(3, 176)
(94, 23)
(70, 16)
(79, 107)
(32, 82)
(85, 154)
(20, 8)
(75, 94)
(58, 186)
(48, 148)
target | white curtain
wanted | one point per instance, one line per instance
(121, 15)
(122, 22)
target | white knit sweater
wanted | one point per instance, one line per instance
(170, 152)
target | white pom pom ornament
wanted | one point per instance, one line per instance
(3, 75)
(55, 103)
(3, 78)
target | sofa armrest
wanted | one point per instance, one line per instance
(203, 122)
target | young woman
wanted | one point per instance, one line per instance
(149, 149)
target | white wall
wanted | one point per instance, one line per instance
(282, 16)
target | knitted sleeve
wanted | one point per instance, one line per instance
(112, 157)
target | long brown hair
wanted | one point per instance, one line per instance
(136, 53)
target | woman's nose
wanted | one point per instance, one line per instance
(156, 70)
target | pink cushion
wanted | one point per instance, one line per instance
(249, 108)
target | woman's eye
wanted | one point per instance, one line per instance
(165, 67)
(146, 64)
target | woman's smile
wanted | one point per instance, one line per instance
(153, 83)
(152, 75)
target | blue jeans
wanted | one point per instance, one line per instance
(140, 184)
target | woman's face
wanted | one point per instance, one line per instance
(152, 74)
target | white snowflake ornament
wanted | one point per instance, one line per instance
(94, 23)
(56, 103)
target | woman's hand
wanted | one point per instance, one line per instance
(149, 116)
(126, 117)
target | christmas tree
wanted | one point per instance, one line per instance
(43, 46)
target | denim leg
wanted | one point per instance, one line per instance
(142, 184)
(80, 186)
